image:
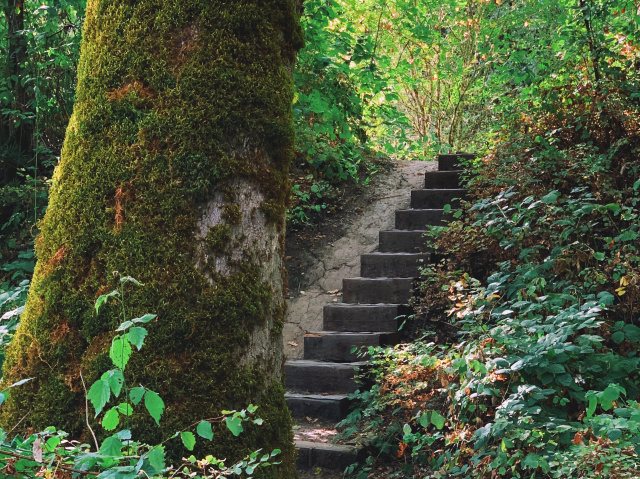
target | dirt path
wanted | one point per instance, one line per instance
(319, 260)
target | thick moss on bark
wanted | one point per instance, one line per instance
(182, 126)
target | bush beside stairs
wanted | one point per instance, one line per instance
(318, 385)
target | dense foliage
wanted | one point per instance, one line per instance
(527, 361)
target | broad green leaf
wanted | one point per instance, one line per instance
(611, 393)
(115, 378)
(111, 446)
(120, 351)
(52, 443)
(614, 434)
(111, 419)
(188, 439)
(103, 299)
(205, 430)
(437, 420)
(156, 459)
(593, 402)
(234, 424)
(154, 404)
(599, 256)
(425, 419)
(129, 279)
(145, 319)
(135, 394)
(551, 197)
(136, 336)
(632, 332)
(125, 408)
(532, 460)
(124, 326)
(99, 394)
(617, 337)
(406, 429)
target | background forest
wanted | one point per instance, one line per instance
(525, 362)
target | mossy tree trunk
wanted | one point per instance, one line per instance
(174, 171)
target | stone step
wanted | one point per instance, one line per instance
(415, 219)
(392, 265)
(403, 241)
(303, 375)
(338, 345)
(437, 198)
(363, 317)
(333, 407)
(377, 290)
(325, 455)
(451, 161)
(442, 179)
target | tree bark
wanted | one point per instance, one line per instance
(174, 171)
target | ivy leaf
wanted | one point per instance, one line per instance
(111, 419)
(188, 439)
(136, 336)
(154, 404)
(234, 424)
(120, 351)
(99, 394)
(205, 430)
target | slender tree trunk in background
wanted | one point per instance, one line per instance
(21, 135)
(174, 171)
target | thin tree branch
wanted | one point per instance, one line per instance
(86, 411)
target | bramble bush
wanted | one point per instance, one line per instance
(51, 453)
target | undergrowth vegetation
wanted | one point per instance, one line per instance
(526, 360)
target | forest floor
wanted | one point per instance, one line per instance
(320, 256)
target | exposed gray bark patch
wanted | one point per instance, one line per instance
(253, 240)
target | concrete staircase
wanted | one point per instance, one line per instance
(319, 384)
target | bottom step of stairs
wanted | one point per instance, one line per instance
(313, 454)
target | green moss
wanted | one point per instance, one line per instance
(232, 214)
(218, 238)
(175, 100)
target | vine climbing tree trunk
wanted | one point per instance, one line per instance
(174, 171)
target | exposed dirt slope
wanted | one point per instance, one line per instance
(319, 258)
